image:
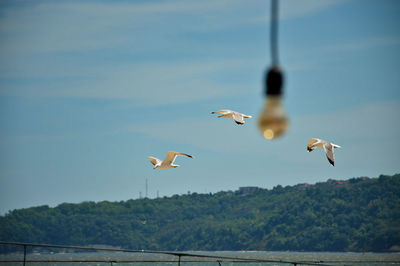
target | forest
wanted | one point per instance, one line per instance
(357, 214)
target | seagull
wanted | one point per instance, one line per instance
(168, 161)
(328, 147)
(238, 117)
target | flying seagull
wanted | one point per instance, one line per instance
(168, 161)
(238, 117)
(328, 148)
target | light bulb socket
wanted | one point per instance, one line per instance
(274, 81)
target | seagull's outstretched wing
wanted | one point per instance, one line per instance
(171, 156)
(312, 143)
(154, 160)
(224, 112)
(238, 117)
(329, 153)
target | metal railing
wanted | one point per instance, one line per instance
(177, 256)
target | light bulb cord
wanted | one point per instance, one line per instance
(274, 32)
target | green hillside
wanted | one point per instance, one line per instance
(358, 214)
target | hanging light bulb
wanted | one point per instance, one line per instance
(273, 121)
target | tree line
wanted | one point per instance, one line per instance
(358, 214)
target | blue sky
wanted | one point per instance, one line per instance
(89, 89)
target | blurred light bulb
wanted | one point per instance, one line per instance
(272, 121)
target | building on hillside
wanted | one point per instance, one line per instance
(303, 185)
(248, 190)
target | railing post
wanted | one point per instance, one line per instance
(179, 260)
(24, 254)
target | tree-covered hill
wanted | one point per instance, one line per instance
(358, 214)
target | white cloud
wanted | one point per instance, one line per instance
(296, 9)
(58, 43)
(213, 134)
(55, 45)
(151, 83)
(147, 83)
(82, 26)
(289, 9)
(371, 121)
(363, 44)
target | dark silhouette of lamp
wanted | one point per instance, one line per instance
(273, 121)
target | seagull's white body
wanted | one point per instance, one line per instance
(327, 146)
(237, 117)
(168, 162)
